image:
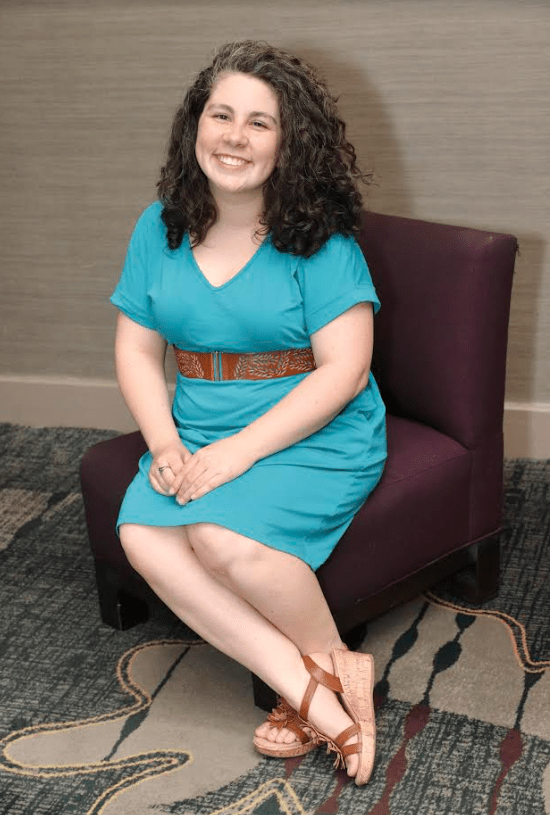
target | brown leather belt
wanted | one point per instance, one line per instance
(220, 365)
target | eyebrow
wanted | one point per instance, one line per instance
(252, 114)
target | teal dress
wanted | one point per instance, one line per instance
(301, 499)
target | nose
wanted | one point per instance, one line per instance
(235, 133)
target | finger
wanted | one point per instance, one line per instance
(186, 474)
(167, 468)
(156, 485)
(175, 486)
(163, 474)
(189, 474)
(189, 488)
(202, 486)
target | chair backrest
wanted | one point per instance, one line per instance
(441, 334)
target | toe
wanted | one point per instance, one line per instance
(352, 765)
(279, 735)
(286, 736)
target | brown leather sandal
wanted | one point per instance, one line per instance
(285, 716)
(354, 682)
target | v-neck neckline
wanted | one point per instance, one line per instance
(237, 274)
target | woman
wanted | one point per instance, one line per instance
(248, 266)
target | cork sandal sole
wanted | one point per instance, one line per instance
(356, 674)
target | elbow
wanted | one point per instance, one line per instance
(362, 382)
(348, 382)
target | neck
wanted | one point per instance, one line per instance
(240, 212)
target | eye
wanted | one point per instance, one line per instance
(223, 116)
(260, 124)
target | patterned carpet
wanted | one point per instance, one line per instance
(152, 720)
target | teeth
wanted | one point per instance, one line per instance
(234, 162)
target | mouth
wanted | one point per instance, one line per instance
(231, 161)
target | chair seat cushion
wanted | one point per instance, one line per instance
(417, 513)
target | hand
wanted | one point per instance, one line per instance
(211, 467)
(166, 466)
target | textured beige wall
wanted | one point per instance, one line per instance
(449, 102)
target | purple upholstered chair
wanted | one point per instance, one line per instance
(440, 353)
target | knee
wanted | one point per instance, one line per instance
(131, 539)
(222, 551)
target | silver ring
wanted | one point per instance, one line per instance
(165, 467)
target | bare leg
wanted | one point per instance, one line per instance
(280, 586)
(165, 558)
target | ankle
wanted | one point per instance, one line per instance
(331, 645)
(323, 659)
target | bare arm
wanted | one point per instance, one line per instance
(342, 351)
(139, 356)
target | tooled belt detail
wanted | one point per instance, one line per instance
(220, 365)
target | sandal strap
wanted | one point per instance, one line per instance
(346, 734)
(322, 677)
(281, 714)
(284, 715)
(318, 677)
(339, 747)
(298, 731)
(349, 749)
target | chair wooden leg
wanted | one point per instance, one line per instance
(264, 696)
(118, 608)
(354, 638)
(479, 582)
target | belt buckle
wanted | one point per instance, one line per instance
(217, 367)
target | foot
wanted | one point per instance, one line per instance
(274, 731)
(326, 713)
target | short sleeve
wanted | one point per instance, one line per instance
(333, 280)
(132, 294)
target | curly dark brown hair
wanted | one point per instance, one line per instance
(313, 191)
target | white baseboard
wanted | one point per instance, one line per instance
(527, 430)
(70, 402)
(51, 401)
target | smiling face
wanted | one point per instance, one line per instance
(238, 135)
